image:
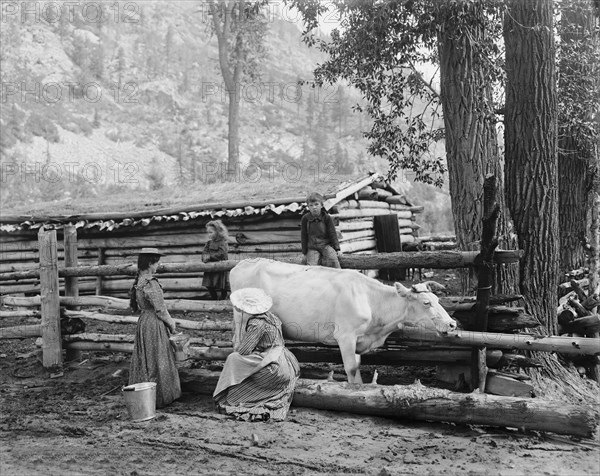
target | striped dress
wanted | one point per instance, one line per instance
(257, 382)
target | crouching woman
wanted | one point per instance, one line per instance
(258, 380)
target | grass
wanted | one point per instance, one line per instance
(172, 196)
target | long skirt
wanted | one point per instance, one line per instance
(264, 395)
(153, 359)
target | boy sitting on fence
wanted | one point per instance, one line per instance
(319, 238)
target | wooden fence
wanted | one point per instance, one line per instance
(406, 347)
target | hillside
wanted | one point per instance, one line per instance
(134, 103)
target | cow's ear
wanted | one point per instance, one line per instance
(402, 290)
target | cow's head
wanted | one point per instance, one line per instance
(423, 308)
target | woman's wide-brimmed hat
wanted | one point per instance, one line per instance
(251, 300)
(151, 251)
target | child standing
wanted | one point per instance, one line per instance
(216, 249)
(319, 238)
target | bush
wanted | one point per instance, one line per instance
(42, 127)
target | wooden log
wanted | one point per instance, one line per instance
(357, 235)
(96, 337)
(417, 402)
(497, 384)
(439, 238)
(566, 288)
(408, 223)
(71, 259)
(397, 200)
(71, 282)
(419, 259)
(498, 319)
(353, 225)
(412, 208)
(116, 303)
(579, 309)
(519, 360)
(20, 332)
(367, 193)
(383, 194)
(495, 299)
(357, 245)
(203, 325)
(361, 204)
(369, 212)
(22, 313)
(99, 280)
(99, 346)
(565, 345)
(433, 246)
(584, 325)
(50, 301)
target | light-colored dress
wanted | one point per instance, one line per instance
(153, 359)
(257, 382)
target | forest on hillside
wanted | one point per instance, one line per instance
(148, 78)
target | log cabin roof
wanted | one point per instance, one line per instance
(108, 221)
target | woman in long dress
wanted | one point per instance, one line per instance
(153, 359)
(258, 380)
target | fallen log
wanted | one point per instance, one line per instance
(21, 332)
(564, 345)
(417, 402)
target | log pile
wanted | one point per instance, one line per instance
(578, 316)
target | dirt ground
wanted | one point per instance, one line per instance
(78, 424)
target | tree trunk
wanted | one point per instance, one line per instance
(470, 131)
(531, 156)
(577, 25)
(233, 135)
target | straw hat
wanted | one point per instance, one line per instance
(151, 251)
(251, 300)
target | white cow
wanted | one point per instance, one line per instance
(327, 305)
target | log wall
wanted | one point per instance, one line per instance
(269, 236)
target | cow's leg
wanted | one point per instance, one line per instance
(350, 358)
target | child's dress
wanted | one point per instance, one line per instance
(217, 250)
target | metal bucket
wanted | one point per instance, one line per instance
(140, 399)
(180, 343)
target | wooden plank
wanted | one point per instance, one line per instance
(50, 302)
(506, 386)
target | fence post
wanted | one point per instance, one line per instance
(51, 338)
(101, 258)
(71, 282)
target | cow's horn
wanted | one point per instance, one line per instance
(434, 286)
